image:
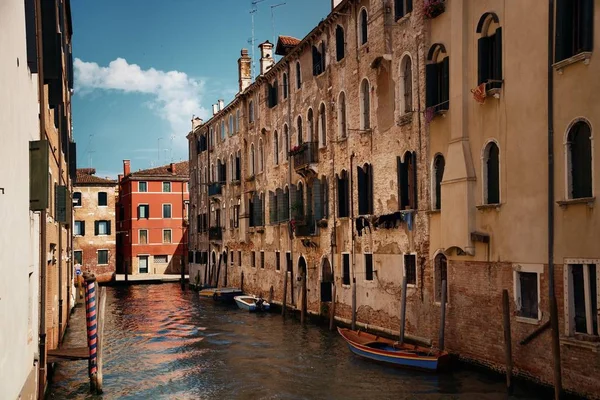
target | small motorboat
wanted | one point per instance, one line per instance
(388, 351)
(221, 294)
(252, 303)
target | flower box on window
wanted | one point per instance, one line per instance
(433, 8)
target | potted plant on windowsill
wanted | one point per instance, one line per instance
(433, 8)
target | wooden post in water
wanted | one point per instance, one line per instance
(242, 282)
(270, 295)
(101, 314)
(92, 327)
(218, 271)
(303, 303)
(443, 317)
(284, 302)
(332, 310)
(507, 339)
(403, 309)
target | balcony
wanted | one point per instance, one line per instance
(307, 226)
(215, 233)
(304, 155)
(214, 189)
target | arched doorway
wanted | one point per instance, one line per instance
(326, 280)
(302, 277)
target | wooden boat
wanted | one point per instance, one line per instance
(252, 303)
(221, 294)
(388, 351)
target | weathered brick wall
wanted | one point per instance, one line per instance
(89, 212)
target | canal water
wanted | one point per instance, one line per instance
(162, 343)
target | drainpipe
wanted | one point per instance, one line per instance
(333, 238)
(352, 235)
(59, 109)
(551, 294)
(43, 257)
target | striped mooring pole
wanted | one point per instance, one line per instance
(92, 327)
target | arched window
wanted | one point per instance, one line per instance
(491, 174)
(574, 28)
(438, 174)
(340, 46)
(251, 111)
(231, 168)
(437, 79)
(211, 138)
(407, 181)
(365, 189)
(365, 105)
(406, 85)
(238, 165)
(441, 276)
(402, 8)
(362, 27)
(275, 148)
(343, 188)
(310, 125)
(322, 125)
(286, 141)
(489, 45)
(223, 132)
(342, 115)
(298, 75)
(237, 121)
(251, 161)
(579, 161)
(260, 156)
(231, 127)
(285, 86)
(299, 130)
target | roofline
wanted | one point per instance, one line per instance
(283, 61)
(95, 184)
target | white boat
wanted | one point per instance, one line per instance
(251, 303)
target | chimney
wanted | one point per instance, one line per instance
(215, 109)
(244, 70)
(196, 122)
(173, 169)
(266, 56)
(119, 177)
(221, 104)
(126, 167)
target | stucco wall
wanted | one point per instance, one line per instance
(19, 236)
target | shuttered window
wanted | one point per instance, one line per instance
(580, 161)
(365, 189)
(345, 269)
(407, 181)
(368, 266)
(438, 174)
(143, 211)
(343, 198)
(437, 77)
(574, 27)
(489, 68)
(402, 7)
(410, 268)
(492, 174)
(340, 45)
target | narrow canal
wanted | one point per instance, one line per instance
(162, 343)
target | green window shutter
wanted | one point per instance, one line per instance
(60, 205)
(108, 223)
(82, 228)
(272, 208)
(38, 175)
(72, 160)
(431, 85)
(586, 21)
(96, 227)
(483, 65)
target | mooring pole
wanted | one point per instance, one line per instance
(332, 310)
(403, 309)
(242, 282)
(303, 303)
(285, 279)
(443, 317)
(101, 313)
(507, 339)
(92, 328)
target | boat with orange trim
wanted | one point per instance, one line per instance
(388, 351)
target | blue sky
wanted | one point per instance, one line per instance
(143, 67)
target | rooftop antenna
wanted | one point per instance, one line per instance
(254, 10)
(90, 149)
(158, 152)
(171, 149)
(273, 7)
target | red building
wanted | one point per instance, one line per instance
(152, 219)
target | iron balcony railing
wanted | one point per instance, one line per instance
(305, 154)
(214, 189)
(307, 226)
(215, 233)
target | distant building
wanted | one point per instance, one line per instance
(94, 244)
(152, 215)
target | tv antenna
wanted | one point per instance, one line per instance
(273, 7)
(253, 10)
(171, 149)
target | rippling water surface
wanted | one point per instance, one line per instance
(162, 343)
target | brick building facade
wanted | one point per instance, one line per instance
(343, 163)
(152, 219)
(94, 205)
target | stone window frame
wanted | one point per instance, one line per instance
(278, 261)
(298, 75)
(163, 187)
(528, 268)
(140, 236)
(365, 104)
(103, 205)
(262, 259)
(170, 210)
(261, 156)
(322, 125)
(365, 253)
(406, 57)
(170, 233)
(434, 182)
(411, 253)
(568, 289)
(107, 256)
(310, 125)
(79, 202)
(342, 115)
(484, 172)
(568, 156)
(275, 147)
(349, 284)
(81, 223)
(340, 49)
(362, 37)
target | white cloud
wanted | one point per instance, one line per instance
(175, 95)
